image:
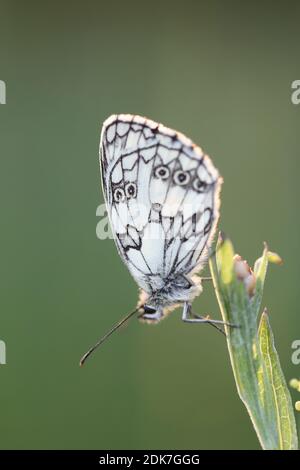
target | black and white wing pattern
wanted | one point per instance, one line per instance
(162, 197)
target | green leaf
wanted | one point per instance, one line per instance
(226, 264)
(260, 271)
(280, 398)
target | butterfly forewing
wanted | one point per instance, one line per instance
(162, 197)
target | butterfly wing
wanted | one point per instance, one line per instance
(162, 197)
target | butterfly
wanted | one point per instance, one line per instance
(162, 194)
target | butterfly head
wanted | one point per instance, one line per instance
(180, 289)
(148, 310)
(156, 308)
(151, 313)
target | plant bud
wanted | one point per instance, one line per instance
(244, 273)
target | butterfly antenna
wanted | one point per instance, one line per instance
(106, 336)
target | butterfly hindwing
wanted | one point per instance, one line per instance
(162, 196)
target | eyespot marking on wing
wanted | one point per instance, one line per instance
(181, 178)
(130, 190)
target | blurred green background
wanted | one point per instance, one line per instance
(220, 72)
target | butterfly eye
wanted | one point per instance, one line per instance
(149, 310)
(162, 172)
(199, 186)
(119, 195)
(130, 190)
(181, 177)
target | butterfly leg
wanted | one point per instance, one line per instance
(189, 317)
